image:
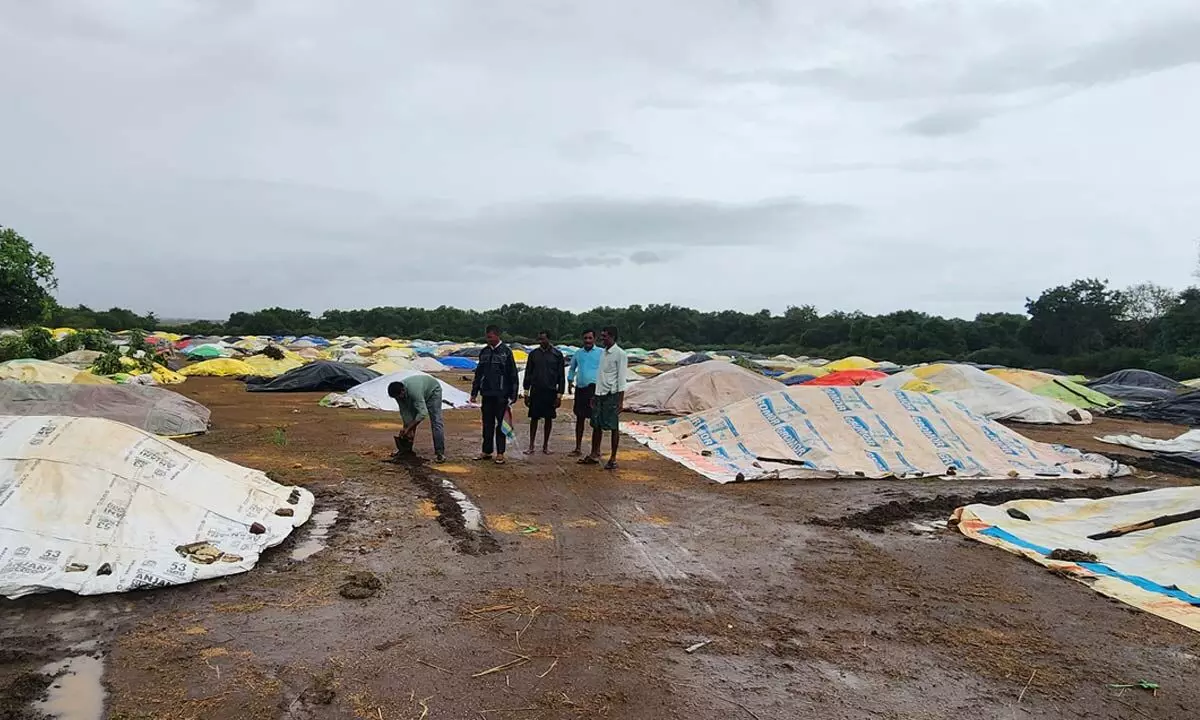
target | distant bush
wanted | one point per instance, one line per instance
(14, 347)
(108, 364)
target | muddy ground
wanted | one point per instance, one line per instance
(579, 595)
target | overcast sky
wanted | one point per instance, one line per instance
(195, 157)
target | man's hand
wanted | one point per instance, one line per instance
(593, 405)
(570, 388)
(558, 401)
(472, 399)
(528, 402)
(409, 432)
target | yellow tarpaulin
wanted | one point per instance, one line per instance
(218, 367)
(854, 362)
(266, 367)
(41, 371)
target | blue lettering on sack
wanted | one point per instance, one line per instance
(857, 397)
(950, 461)
(957, 440)
(789, 435)
(930, 433)
(905, 401)
(998, 441)
(904, 461)
(745, 450)
(859, 426)
(888, 429)
(812, 433)
(835, 397)
(729, 424)
(704, 433)
(794, 405)
(767, 408)
(879, 461)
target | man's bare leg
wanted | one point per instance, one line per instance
(533, 423)
(578, 437)
(546, 436)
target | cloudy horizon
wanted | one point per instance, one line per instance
(198, 157)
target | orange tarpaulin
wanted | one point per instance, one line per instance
(847, 377)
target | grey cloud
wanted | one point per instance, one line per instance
(638, 223)
(593, 145)
(914, 165)
(568, 262)
(1159, 47)
(947, 122)
(646, 257)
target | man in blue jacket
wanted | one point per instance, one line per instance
(496, 380)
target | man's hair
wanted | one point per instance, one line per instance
(492, 329)
(611, 330)
(585, 332)
(394, 389)
(546, 333)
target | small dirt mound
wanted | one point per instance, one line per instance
(941, 506)
(360, 586)
(20, 693)
(1069, 555)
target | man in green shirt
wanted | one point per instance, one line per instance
(419, 397)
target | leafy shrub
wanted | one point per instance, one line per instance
(273, 352)
(70, 343)
(14, 347)
(94, 340)
(108, 364)
(40, 343)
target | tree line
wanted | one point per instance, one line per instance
(1086, 326)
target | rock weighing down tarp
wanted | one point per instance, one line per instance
(696, 388)
(152, 409)
(373, 395)
(806, 432)
(1156, 569)
(93, 506)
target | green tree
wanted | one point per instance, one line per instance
(1073, 319)
(26, 280)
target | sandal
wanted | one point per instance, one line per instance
(610, 465)
(574, 453)
(588, 460)
(500, 460)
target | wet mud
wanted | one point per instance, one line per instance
(456, 513)
(940, 507)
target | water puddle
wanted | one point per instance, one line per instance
(318, 533)
(77, 693)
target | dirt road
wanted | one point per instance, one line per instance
(580, 591)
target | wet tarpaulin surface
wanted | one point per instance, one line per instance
(809, 432)
(1154, 568)
(152, 409)
(94, 506)
(1179, 409)
(317, 376)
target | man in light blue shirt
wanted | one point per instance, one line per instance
(581, 380)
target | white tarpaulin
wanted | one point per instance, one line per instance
(985, 394)
(1189, 442)
(93, 506)
(696, 388)
(373, 394)
(824, 432)
(1156, 569)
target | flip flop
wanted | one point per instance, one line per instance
(547, 452)
(588, 460)
(610, 465)
(500, 461)
(574, 453)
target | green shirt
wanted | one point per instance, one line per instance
(423, 391)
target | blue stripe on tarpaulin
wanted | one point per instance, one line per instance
(1097, 568)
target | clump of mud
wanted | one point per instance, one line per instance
(323, 688)
(895, 511)
(360, 586)
(1069, 555)
(19, 694)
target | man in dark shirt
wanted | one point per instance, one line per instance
(545, 380)
(496, 380)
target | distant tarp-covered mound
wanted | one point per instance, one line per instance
(696, 388)
(806, 432)
(1153, 568)
(152, 409)
(1179, 409)
(373, 394)
(1059, 388)
(93, 506)
(314, 377)
(1137, 386)
(41, 371)
(986, 395)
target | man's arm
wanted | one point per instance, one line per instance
(559, 371)
(571, 372)
(478, 376)
(622, 372)
(513, 379)
(530, 370)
